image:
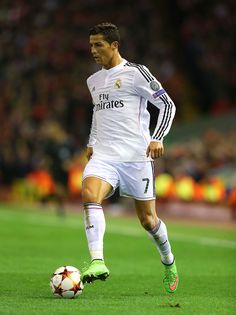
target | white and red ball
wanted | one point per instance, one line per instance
(66, 282)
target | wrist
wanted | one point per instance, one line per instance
(156, 140)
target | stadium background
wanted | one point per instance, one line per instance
(45, 108)
(45, 114)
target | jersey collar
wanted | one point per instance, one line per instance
(116, 68)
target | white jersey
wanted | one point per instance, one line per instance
(120, 126)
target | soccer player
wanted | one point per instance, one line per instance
(121, 150)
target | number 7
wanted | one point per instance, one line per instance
(147, 184)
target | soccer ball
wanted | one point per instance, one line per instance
(66, 282)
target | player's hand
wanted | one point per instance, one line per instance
(89, 152)
(155, 149)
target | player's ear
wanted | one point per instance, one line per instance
(115, 45)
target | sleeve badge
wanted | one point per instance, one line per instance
(155, 86)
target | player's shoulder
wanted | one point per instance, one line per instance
(140, 70)
(94, 77)
(136, 66)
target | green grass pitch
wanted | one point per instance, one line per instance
(35, 242)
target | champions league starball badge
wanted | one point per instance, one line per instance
(154, 85)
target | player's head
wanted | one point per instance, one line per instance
(109, 31)
(104, 39)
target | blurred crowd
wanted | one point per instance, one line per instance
(45, 108)
(202, 168)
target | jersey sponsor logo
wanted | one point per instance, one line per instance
(158, 93)
(105, 103)
(118, 84)
(109, 105)
(155, 86)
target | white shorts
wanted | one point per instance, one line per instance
(134, 179)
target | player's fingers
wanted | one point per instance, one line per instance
(154, 154)
(160, 152)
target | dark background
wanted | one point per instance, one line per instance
(45, 107)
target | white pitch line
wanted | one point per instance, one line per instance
(112, 228)
(202, 240)
(176, 237)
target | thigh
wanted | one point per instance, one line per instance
(95, 189)
(137, 180)
(100, 180)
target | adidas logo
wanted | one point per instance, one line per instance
(89, 227)
(163, 243)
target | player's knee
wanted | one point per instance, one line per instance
(88, 195)
(148, 222)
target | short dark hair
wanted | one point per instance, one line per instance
(108, 30)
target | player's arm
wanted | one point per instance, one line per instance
(148, 87)
(92, 136)
(93, 128)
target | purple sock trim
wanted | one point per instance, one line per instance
(156, 228)
(92, 205)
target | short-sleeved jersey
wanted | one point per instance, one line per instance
(120, 126)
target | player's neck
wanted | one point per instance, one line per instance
(115, 61)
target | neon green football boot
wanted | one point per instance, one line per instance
(171, 278)
(96, 271)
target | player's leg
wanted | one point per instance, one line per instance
(94, 190)
(99, 181)
(146, 211)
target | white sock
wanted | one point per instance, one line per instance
(160, 238)
(95, 224)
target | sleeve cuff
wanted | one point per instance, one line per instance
(156, 140)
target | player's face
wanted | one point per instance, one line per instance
(101, 50)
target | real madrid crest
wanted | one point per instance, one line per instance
(117, 84)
